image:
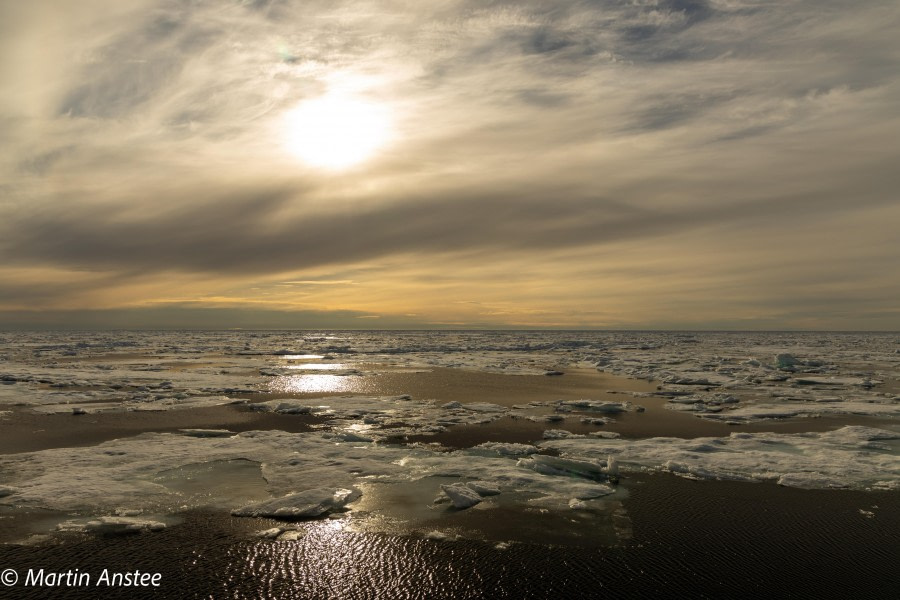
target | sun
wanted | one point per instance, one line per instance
(336, 131)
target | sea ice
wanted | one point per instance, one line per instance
(505, 449)
(112, 525)
(553, 465)
(484, 488)
(841, 458)
(559, 434)
(461, 495)
(302, 505)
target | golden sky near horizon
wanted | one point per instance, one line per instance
(606, 163)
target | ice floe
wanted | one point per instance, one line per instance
(461, 495)
(849, 457)
(147, 472)
(111, 525)
(97, 371)
(307, 504)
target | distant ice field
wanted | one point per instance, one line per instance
(407, 432)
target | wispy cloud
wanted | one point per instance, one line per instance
(579, 162)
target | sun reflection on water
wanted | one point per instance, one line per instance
(317, 384)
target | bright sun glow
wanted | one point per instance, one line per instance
(336, 131)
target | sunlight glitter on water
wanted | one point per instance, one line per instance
(301, 384)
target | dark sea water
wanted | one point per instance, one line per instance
(690, 540)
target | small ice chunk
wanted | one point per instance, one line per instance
(291, 535)
(576, 504)
(560, 434)
(78, 411)
(302, 505)
(612, 467)
(270, 534)
(685, 400)
(867, 513)
(785, 361)
(505, 449)
(206, 433)
(112, 525)
(461, 496)
(439, 536)
(484, 488)
(450, 405)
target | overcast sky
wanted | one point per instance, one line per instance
(609, 163)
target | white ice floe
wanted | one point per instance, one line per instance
(504, 449)
(166, 473)
(796, 408)
(559, 434)
(461, 495)
(286, 533)
(111, 525)
(851, 457)
(307, 504)
(291, 535)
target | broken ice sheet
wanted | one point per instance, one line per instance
(850, 457)
(169, 473)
